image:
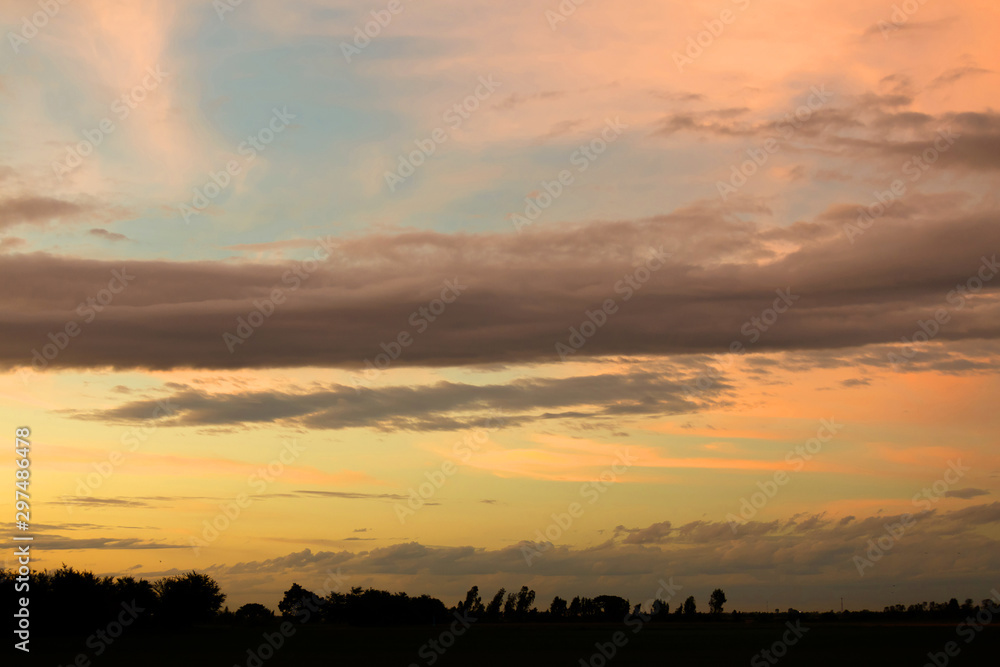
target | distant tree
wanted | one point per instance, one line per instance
(299, 602)
(717, 601)
(575, 608)
(660, 608)
(188, 598)
(473, 604)
(253, 614)
(558, 608)
(689, 607)
(611, 608)
(509, 606)
(493, 608)
(525, 598)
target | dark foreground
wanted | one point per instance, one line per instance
(550, 644)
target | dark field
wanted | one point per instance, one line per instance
(510, 644)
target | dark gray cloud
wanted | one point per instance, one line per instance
(90, 501)
(522, 292)
(870, 125)
(352, 496)
(444, 406)
(106, 235)
(60, 543)
(815, 551)
(966, 493)
(888, 27)
(954, 74)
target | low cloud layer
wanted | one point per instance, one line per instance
(815, 552)
(521, 294)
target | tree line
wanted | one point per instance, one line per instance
(67, 600)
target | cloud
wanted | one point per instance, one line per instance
(888, 27)
(106, 235)
(966, 493)
(60, 543)
(814, 551)
(654, 534)
(103, 502)
(953, 75)
(38, 210)
(444, 406)
(352, 496)
(521, 293)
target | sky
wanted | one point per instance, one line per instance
(426, 295)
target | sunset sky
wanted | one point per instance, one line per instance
(637, 262)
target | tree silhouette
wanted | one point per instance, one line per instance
(493, 608)
(253, 614)
(610, 608)
(575, 608)
(297, 601)
(525, 598)
(188, 598)
(660, 608)
(473, 604)
(690, 609)
(717, 601)
(509, 605)
(558, 607)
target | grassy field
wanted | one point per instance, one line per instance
(488, 645)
